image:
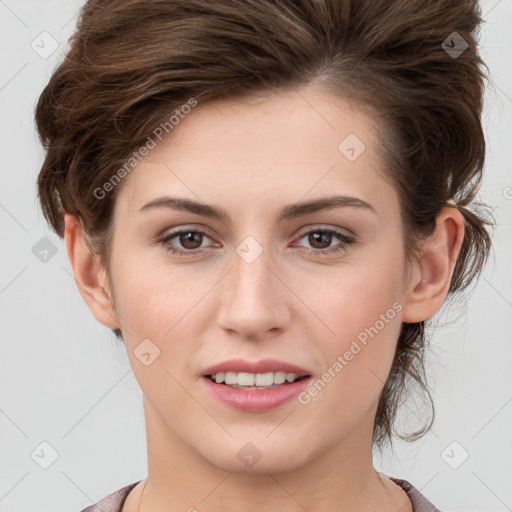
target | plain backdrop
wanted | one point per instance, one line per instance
(68, 398)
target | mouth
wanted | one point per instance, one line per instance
(253, 381)
(267, 373)
(255, 386)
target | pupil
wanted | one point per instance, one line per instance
(188, 239)
(315, 238)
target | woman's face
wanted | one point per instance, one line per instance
(257, 279)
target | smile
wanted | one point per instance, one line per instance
(254, 380)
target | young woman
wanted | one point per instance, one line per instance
(266, 200)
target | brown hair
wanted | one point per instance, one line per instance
(132, 62)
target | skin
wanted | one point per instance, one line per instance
(252, 157)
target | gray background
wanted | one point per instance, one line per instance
(66, 381)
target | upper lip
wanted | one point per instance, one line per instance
(262, 366)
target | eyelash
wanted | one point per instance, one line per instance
(346, 241)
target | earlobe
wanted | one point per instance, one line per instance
(90, 277)
(432, 273)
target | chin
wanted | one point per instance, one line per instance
(269, 464)
(260, 456)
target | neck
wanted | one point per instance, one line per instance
(342, 478)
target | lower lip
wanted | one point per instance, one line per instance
(256, 400)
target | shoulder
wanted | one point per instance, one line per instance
(419, 502)
(113, 502)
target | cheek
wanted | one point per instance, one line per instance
(356, 364)
(152, 296)
(363, 308)
(355, 297)
(166, 304)
(158, 309)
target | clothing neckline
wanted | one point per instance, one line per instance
(418, 501)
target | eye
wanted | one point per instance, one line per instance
(321, 238)
(189, 239)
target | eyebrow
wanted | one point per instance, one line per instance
(288, 212)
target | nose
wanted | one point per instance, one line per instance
(255, 303)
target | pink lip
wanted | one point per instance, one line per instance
(255, 400)
(263, 366)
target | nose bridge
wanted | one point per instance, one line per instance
(253, 279)
(251, 301)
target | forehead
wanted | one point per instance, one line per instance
(268, 148)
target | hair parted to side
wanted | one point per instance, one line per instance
(132, 62)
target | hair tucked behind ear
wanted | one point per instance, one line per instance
(414, 63)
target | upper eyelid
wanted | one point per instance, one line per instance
(178, 230)
(320, 227)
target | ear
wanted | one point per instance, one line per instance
(90, 276)
(431, 274)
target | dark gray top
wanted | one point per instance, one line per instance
(114, 502)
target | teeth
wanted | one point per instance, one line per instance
(253, 379)
(245, 379)
(263, 379)
(230, 378)
(280, 377)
